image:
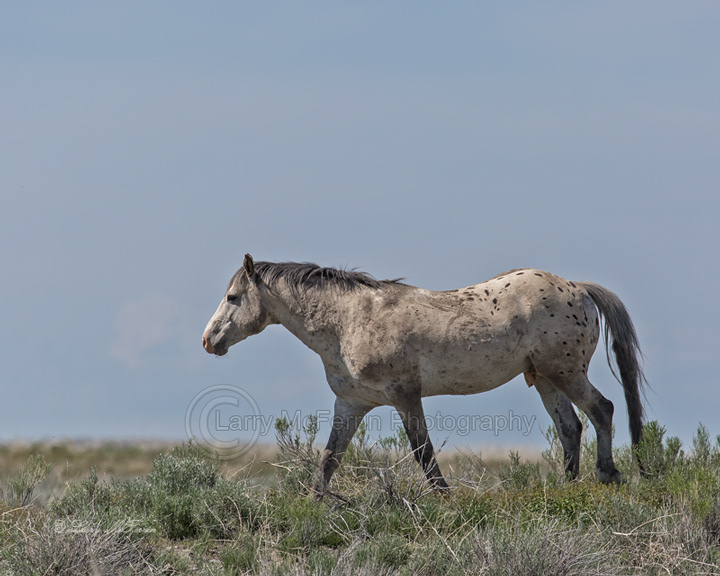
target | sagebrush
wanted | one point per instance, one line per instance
(186, 517)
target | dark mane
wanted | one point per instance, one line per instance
(300, 275)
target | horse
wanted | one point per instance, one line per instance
(384, 342)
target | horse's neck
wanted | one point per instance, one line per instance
(312, 316)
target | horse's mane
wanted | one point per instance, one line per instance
(301, 275)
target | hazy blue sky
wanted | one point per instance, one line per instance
(146, 146)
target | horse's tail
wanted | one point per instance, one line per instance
(619, 327)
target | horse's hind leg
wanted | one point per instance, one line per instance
(567, 424)
(409, 406)
(599, 411)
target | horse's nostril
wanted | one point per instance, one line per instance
(207, 345)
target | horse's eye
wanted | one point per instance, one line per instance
(232, 297)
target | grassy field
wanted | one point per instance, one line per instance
(123, 508)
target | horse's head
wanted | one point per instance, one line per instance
(240, 314)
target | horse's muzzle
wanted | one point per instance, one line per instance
(220, 350)
(209, 348)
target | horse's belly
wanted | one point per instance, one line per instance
(470, 375)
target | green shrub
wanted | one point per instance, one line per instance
(322, 561)
(21, 490)
(518, 475)
(70, 548)
(658, 457)
(702, 448)
(189, 498)
(185, 517)
(298, 459)
(173, 474)
(241, 557)
(184, 496)
(385, 549)
(305, 524)
(86, 497)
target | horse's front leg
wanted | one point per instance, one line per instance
(346, 420)
(408, 403)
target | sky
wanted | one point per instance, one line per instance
(147, 146)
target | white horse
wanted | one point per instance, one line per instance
(387, 343)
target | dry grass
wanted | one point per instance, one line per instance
(121, 459)
(71, 460)
(174, 510)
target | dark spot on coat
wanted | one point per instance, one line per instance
(561, 290)
(508, 284)
(536, 274)
(519, 273)
(486, 292)
(570, 304)
(494, 300)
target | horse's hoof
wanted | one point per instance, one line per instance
(439, 484)
(614, 477)
(318, 492)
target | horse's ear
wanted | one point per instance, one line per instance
(249, 265)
